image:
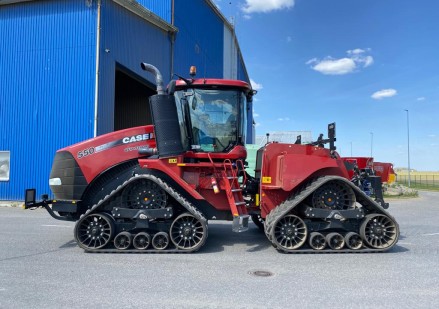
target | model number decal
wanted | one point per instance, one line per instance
(126, 140)
(86, 152)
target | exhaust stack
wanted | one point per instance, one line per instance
(158, 76)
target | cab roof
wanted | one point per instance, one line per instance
(209, 82)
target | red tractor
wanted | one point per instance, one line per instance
(153, 188)
(385, 171)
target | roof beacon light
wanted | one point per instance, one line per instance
(193, 71)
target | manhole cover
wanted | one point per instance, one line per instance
(261, 273)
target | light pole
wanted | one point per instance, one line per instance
(408, 144)
(371, 144)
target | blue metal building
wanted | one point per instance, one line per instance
(69, 70)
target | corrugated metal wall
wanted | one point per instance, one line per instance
(230, 55)
(127, 40)
(47, 71)
(199, 40)
(242, 75)
(161, 8)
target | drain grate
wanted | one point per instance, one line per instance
(261, 273)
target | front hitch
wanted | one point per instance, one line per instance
(31, 203)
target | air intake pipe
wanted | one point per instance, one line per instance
(165, 118)
(158, 76)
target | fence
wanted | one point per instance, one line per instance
(419, 180)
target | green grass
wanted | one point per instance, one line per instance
(420, 186)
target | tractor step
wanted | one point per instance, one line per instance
(240, 223)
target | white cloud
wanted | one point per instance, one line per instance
(432, 135)
(257, 124)
(255, 85)
(255, 115)
(367, 61)
(311, 61)
(265, 6)
(356, 51)
(289, 39)
(334, 66)
(385, 93)
(420, 99)
(283, 119)
(357, 58)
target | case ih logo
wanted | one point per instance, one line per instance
(137, 138)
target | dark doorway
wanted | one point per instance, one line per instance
(131, 106)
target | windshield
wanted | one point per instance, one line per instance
(216, 118)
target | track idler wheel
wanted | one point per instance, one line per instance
(289, 233)
(317, 241)
(353, 241)
(379, 231)
(122, 241)
(187, 232)
(94, 231)
(335, 241)
(160, 241)
(141, 241)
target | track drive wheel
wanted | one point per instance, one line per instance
(335, 195)
(258, 221)
(187, 232)
(289, 233)
(379, 231)
(317, 241)
(94, 231)
(144, 194)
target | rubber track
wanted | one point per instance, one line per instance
(284, 208)
(168, 189)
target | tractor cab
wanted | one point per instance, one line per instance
(212, 114)
(202, 118)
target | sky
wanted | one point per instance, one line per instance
(370, 66)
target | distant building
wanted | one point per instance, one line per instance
(288, 137)
(70, 70)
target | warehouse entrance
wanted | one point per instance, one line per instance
(131, 107)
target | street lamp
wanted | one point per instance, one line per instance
(371, 144)
(408, 144)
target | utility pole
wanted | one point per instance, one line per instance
(408, 144)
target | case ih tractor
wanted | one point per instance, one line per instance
(154, 188)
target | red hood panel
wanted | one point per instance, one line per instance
(100, 153)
